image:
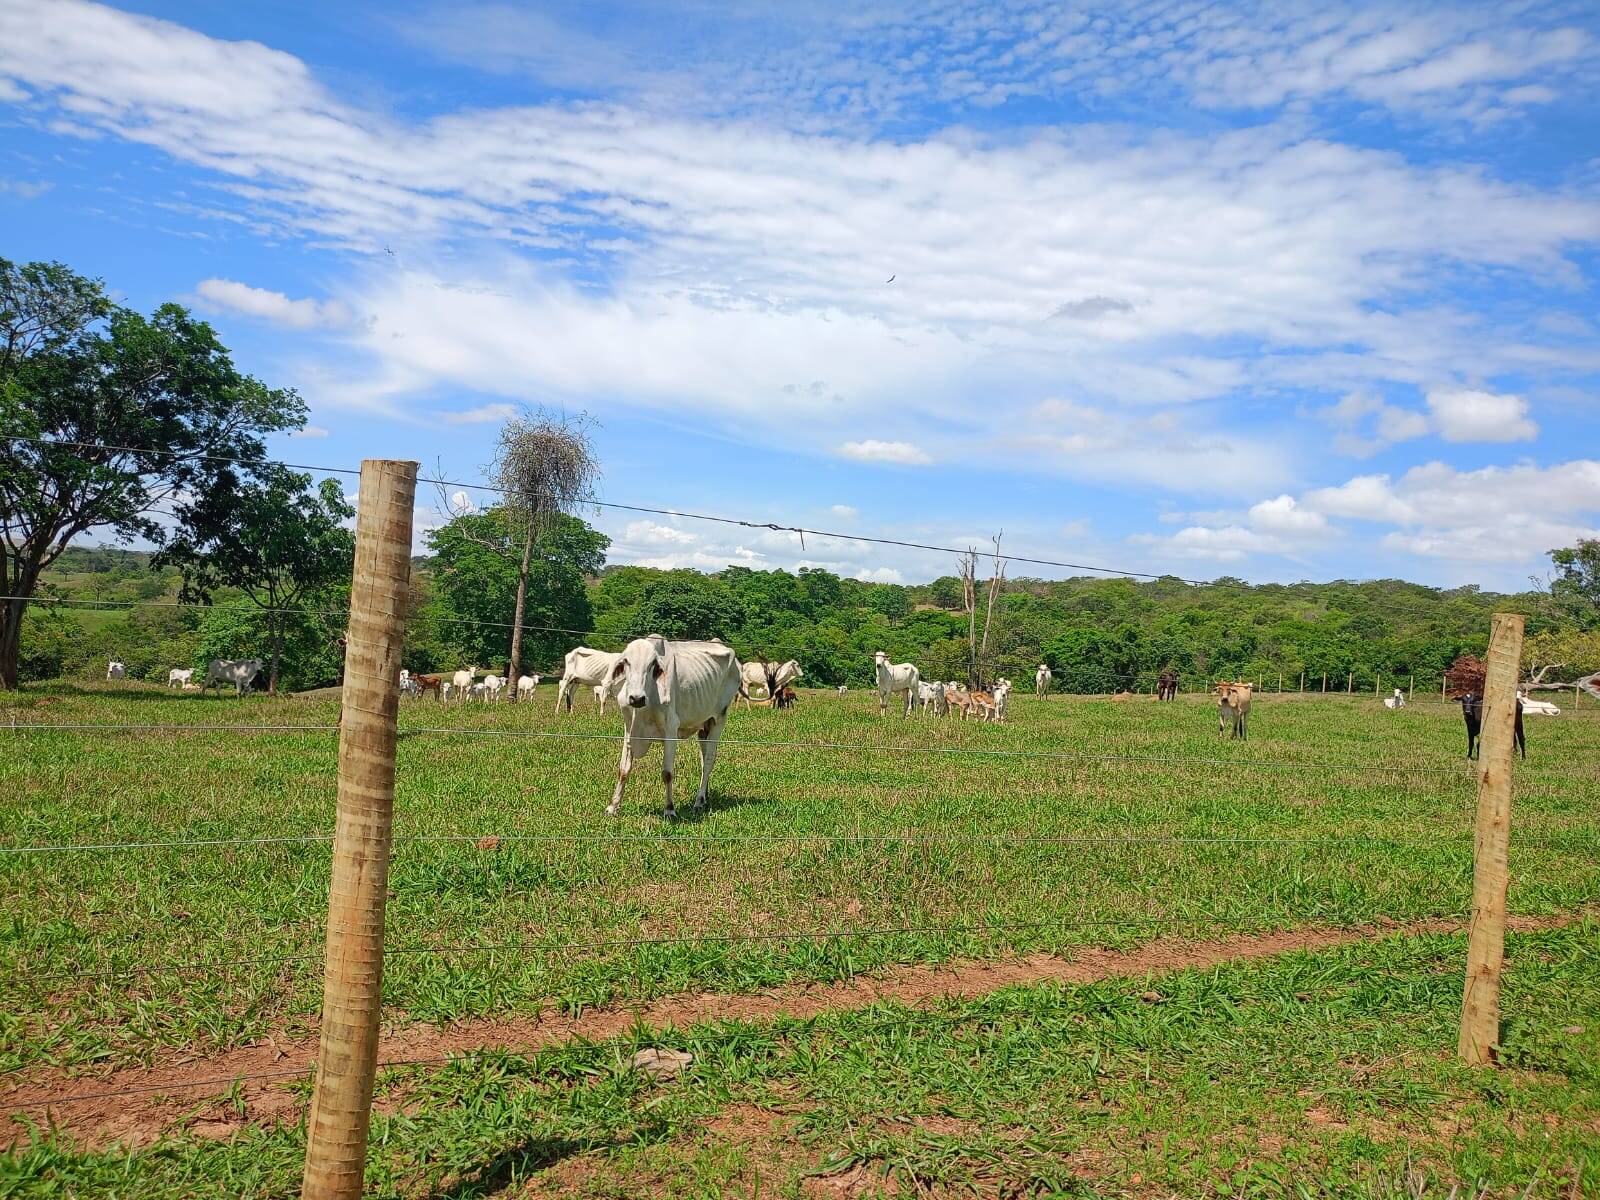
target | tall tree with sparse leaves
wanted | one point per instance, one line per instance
(110, 420)
(544, 466)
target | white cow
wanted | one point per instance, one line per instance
(895, 677)
(461, 682)
(115, 670)
(1041, 680)
(526, 685)
(668, 691)
(493, 685)
(753, 675)
(583, 666)
(1538, 708)
(1398, 700)
(787, 673)
(238, 671)
(179, 676)
(1002, 691)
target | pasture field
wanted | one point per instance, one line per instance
(1083, 823)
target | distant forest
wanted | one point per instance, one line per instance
(1098, 634)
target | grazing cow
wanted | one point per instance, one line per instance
(787, 697)
(240, 672)
(115, 670)
(525, 686)
(179, 676)
(191, 687)
(1233, 708)
(493, 686)
(668, 691)
(1472, 714)
(1398, 700)
(893, 678)
(1167, 685)
(843, 689)
(754, 675)
(583, 666)
(431, 683)
(1537, 708)
(1041, 680)
(461, 683)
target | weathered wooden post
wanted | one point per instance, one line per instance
(1412, 686)
(1350, 684)
(1377, 684)
(1302, 681)
(336, 1132)
(1324, 681)
(1486, 936)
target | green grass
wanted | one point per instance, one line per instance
(69, 915)
(1325, 1074)
(1025, 854)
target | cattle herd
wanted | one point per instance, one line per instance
(667, 691)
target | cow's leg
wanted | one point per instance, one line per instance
(669, 754)
(883, 702)
(710, 735)
(632, 747)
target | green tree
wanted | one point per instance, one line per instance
(110, 418)
(1576, 586)
(282, 544)
(475, 573)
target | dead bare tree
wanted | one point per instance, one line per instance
(978, 645)
(544, 465)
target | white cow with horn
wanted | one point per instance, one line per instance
(894, 678)
(669, 691)
(1041, 680)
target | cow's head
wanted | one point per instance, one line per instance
(644, 672)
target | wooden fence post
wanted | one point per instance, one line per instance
(1412, 686)
(1377, 684)
(1486, 936)
(336, 1131)
(1324, 681)
(1350, 683)
(1302, 681)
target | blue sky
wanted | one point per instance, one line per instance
(1280, 291)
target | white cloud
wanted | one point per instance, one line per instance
(843, 511)
(1283, 517)
(310, 431)
(873, 450)
(484, 414)
(1476, 416)
(1500, 515)
(22, 188)
(276, 307)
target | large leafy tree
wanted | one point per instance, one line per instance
(282, 543)
(1576, 586)
(108, 420)
(477, 572)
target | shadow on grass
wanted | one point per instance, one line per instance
(515, 1163)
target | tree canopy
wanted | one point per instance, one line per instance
(112, 421)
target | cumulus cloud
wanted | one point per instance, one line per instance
(872, 450)
(1279, 526)
(484, 414)
(1498, 515)
(310, 431)
(844, 512)
(1476, 416)
(266, 305)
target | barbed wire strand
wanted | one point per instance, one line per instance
(1177, 763)
(799, 530)
(691, 838)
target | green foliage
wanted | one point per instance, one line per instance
(311, 655)
(472, 585)
(80, 371)
(282, 545)
(49, 636)
(1576, 587)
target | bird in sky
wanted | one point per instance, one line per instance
(891, 279)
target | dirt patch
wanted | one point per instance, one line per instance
(135, 1105)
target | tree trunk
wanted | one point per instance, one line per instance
(514, 673)
(277, 654)
(24, 585)
(10, 641)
